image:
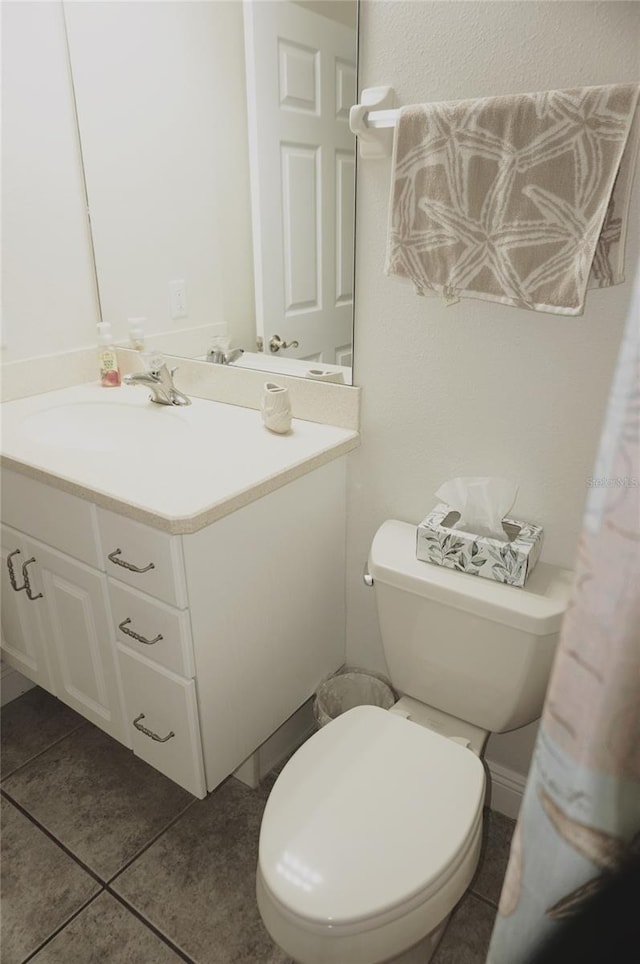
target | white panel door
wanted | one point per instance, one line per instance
(301, 82)
(75, 621)
(22, 643)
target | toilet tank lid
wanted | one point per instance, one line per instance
(537, 607)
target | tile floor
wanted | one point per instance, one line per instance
(104, 861)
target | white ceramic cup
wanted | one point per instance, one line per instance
(276, 408)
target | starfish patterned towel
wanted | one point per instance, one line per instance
(520, 199)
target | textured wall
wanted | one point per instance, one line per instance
(476, 388)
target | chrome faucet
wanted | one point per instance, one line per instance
(160, 381)
(219, 357)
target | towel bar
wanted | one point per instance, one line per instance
(373, 120)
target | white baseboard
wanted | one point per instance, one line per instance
(505, 790)
(12, 684)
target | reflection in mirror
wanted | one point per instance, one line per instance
(220, 171)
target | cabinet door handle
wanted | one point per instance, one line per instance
(25, 576)
(127, 565)
(12, 575)
(154, 736)
(129, 632)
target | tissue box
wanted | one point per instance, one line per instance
(511, 562)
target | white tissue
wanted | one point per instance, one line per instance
(482, 502)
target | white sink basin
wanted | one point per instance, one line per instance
(172, 467)
(105, 427)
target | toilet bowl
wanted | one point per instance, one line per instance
(369, 838)
(372, 831)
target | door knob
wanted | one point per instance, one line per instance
(276, 343)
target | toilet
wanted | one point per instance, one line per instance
(372, 831)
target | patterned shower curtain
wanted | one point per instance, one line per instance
(580, 816)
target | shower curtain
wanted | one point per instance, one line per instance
(580, 817)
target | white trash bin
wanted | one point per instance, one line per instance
(348, 688)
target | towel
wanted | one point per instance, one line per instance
(521, 199)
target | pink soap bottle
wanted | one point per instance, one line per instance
(109, 371)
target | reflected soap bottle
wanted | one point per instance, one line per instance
(108, 358)
(136, 333)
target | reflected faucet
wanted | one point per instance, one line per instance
(160, 381)
(218, 357)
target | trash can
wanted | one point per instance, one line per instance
(351, 687)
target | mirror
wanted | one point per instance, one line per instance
(219, 171)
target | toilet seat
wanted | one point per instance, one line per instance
(369, 819)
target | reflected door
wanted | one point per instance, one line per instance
(301, 82)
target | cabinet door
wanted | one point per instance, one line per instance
(75, 621)
(22, 644)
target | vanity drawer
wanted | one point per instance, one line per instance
(167, 631)
(164, 705)
(143, 557)
(56, 518)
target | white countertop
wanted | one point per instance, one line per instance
(177, 469)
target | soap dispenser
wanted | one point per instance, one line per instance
(109, 371)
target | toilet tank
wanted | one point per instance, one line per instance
(479, 650)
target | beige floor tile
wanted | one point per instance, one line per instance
(41, 886)
(106, 933)
(31, 724)
(466, 939)
(97, 799)
(497, 833)
(196, 884)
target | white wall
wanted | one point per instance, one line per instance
(48, 292)
(476, 388)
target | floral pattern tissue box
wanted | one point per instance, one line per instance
(511, 562)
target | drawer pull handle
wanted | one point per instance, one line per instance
(129, 632)
(154, 736)
(25, 576)
(127, 565)
(12, 575)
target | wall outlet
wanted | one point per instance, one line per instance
(178, 299)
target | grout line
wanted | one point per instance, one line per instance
(136, 913)
(485, 900)
(59, 929)
(150, 843)
(25, 763)
(104, 886)
(52, 837)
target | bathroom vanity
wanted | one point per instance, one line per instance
(175, 576)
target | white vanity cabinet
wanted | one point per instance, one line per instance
(56, 625)
(155, 650)
(22, 643)
(72, 607)
(190, 648)
(266, 589)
